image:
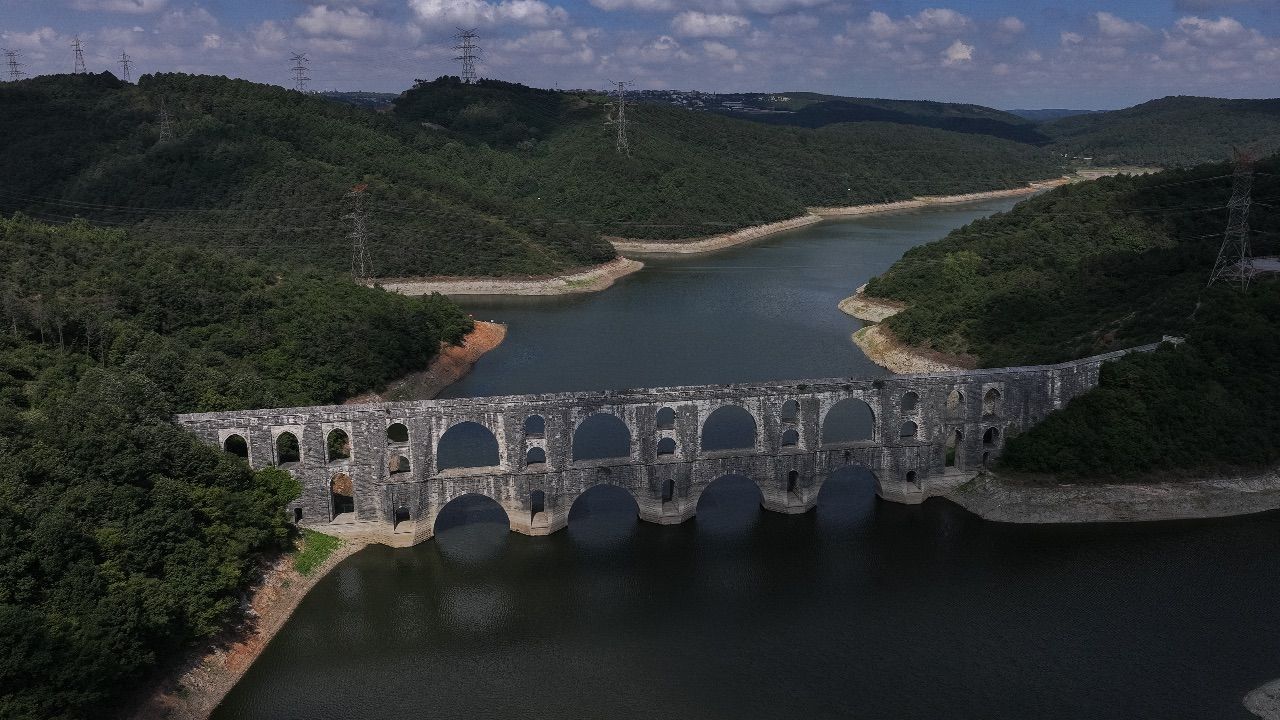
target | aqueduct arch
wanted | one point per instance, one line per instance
(917, 434)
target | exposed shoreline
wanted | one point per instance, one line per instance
(591, 279)
(449, 366)
(601, 277)
(884, 348)
(994, 499)
(923, 201)
(698, 246)
(198, 684)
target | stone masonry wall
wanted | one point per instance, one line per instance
(995, 404)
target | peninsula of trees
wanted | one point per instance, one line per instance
(1108, 264)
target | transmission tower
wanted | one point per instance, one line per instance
(81, 69)
(619, 117)
(468, 53)
(361, 267)
(166, 123)
(1234, 262)
(15, 67)
(300, 69)
(126, 67)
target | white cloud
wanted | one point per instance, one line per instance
(1011, 25)
(120, 6)
(957, 53)
(697, 24)
(646, 5)
(349, 22)
(1113, 27)
(1071, 38)
(922, 27)
(533, 13)
(719, 51)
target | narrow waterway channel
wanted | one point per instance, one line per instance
(860, 609)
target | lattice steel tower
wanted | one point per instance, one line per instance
(81, 69)
(618, 117)
(15, 67)
(361, 267)
(126, 67)
(1234, 263)
(300, 69)
(468, 53)
(166, 123)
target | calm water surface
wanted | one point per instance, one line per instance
(860, 609)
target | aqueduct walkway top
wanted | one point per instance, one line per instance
(386, 467)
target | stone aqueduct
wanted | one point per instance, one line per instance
(374, 469)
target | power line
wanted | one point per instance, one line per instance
(15, 67)
(126, 67)
(80, 68)
(361, 267)
(618, 117)
(468, 53)
(300, 70)
(1233, 261)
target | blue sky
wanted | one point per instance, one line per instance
(1004, 53)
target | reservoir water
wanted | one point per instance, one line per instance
(860, 609)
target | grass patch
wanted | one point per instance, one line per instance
(315, 548)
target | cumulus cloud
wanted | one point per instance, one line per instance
(922, 27)
(691, 23)
(719, 51)
(1011, 25)
(763, 7)
(645, 5)
(533, 13)
(348, 22)
(120, 6)
(1113, 27)
(957, 53)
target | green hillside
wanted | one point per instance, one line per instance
(263, 170)
(1170, 132)
(123, 537)
(694, 173)
(1104, 265)
(487, 179)
(813, 110)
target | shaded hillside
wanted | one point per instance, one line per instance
(124, 538)
(264, 171)
(942, 116)
(1105, 265)
(1170, 132)
(694, 173)
(1047, 114)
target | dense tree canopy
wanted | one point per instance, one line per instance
(1105, 265)
(123, 537)
(1170, 132)
(697, 173)
(486, 179)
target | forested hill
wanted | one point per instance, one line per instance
(697, 173)
(122, 536)
(1104, 265)
(486, 179)
(1170, 132)
(265, 171)
(813, 111)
